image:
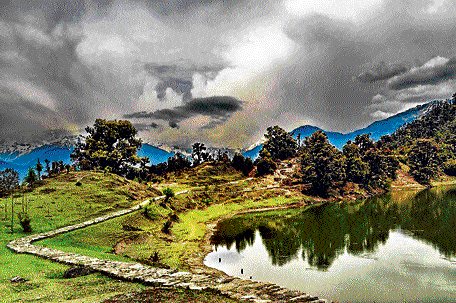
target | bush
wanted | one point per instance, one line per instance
(265, 166)
(167, 226)
(248, 166)
(238, 161)
(78, 183)
(169, 193)
(25, 220)
(449, 168)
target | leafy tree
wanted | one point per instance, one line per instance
(279, 145)
(424, 159)
(39, 168)
(31, 177)
(109, 144)
(370, 164)
(364, 142)
(382, 168)
(178, 162)
(322, 165)
(238, 161)
(248, 166)
(265, 166)
(356, 169)
(243, 164)
(198, 153)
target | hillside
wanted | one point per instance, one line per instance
(215, 190)
(59, 202)
(376, 129)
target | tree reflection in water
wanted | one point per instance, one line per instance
(322, 233)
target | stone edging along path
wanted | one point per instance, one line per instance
(234, 287)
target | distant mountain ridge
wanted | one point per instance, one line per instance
(22, 162)
(376, 129)
(22, 156)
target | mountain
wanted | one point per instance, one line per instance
(22, 162)
(376, 129)
(155, 154)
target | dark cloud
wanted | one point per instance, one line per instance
(424, 75)
(382, 72)
(218, 108)
(321, 81)
(318, 82)
(22, 120)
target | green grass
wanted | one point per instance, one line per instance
(192, 224)
(94, 241)
(59, 202)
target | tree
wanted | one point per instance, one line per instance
(248, 166)
(9, 180)
(109, 144)
(48, 168)
(322, 165)
(238, 161)
(39, 168)
(279, 145)
(364, 142)
(31, 177)
(178, 162)
(265, 166)
(424, 159)
(355, 168)
(198, 152)
(243, 164)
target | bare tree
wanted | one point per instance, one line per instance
(9, 180)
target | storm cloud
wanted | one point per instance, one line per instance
(336, 65)
(427, 74)
(382, 72)
(218, 108)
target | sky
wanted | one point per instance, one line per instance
(219, 72)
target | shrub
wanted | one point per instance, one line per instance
(248, 166)
(169, 193)
(265, 166)
(167, 226)
(449, 168)
(25, 220)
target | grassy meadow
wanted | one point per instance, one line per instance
(57, 203)
(214, 191)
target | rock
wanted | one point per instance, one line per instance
(77, 271)
(17, 279)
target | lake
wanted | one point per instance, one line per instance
(397, 248)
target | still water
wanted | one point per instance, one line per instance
(397, 248)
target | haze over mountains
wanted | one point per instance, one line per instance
(22, 156)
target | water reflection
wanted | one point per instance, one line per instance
(321, 234)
